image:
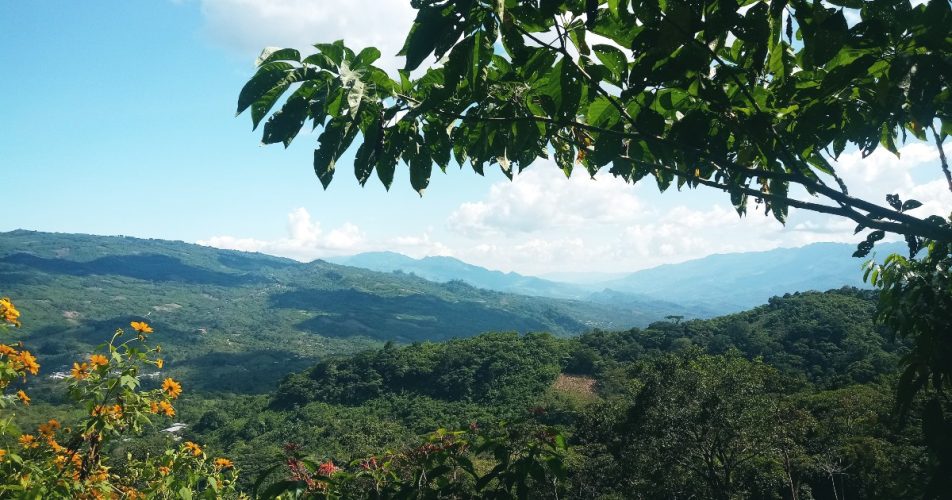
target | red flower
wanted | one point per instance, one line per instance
(327, 468)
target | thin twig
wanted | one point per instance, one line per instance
(942, 158)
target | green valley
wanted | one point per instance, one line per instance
(237, 322)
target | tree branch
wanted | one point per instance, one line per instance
(942, 158)
(921, 228)
(904, 223)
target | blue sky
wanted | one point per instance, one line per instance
(119, 119)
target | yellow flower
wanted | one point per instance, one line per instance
(113, 412)
(159, 363)
(80, 370)
(28, 441)
(163, 470)
(56, 447)
(6, 350)
(29, 362)
(49, 428)
(223, 463)
(153, 407)
(8, 312)
(23, 397)
(193, 448)
(141, 327)
(172, 388)
(97, 360)
(3, 453)
(166, 409)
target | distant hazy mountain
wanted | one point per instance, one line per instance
(443, 269)
(733, 282)
(582, 278)
(238, 321)
(717, 284)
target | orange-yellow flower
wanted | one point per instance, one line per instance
(8, 312)
(193, 448)
(97, 360)
(80, 370)
(163, 470)
(23, 397)
(28, 441)
(28, 361)
(6, 350)
(3, 453)
(166, 409)
(153, 407)
(49, 428)
(172, 388)
(223, 463)
(159, 363)
(141, 327)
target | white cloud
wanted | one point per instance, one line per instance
(542, 222)
(306, 240)
(543, 198)
(250, 25)
(882, 172)
(418, 246)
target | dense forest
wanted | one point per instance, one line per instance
(792, 399)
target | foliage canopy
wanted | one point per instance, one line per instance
(752, 98)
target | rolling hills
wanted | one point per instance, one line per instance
(238, 321)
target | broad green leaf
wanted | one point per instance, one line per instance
(367, 57)
(285, 124)
(263, 81)
(613, 59)
(271, 54)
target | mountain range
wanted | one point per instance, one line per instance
(713, 285)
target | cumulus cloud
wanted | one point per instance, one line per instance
(543, 198)
(418, 246)
(543, 222)
(249, 25)
(883, 172)
(306, 240)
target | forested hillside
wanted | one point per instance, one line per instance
(795, 394)
(237, 321)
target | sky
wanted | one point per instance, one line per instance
(119, 118)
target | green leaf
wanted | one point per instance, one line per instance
(266, 78)
(368, 154)
(570, 82)
(911, 205)
(428, 28)
(367, 57)
(285, 124)
(271, 54)
(420, 169)
(333, 141)
(333, 51)
(613, 59)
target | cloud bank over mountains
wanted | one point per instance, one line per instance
(544, 222)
